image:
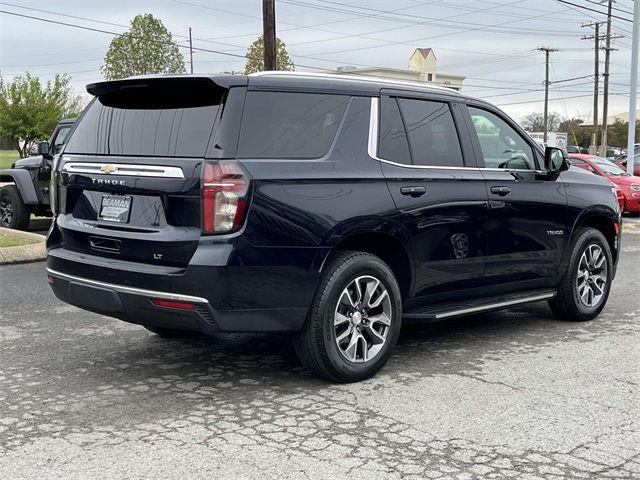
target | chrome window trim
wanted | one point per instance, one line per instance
(130, 290)
(124, 169)
(372, 149)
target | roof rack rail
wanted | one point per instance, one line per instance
(352, 77)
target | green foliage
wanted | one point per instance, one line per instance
(255, 57)
(576, 133)
(146, 48)
(618, 133)
(29, 110)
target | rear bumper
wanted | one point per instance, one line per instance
(135, 305)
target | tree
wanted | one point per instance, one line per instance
(534, 122)
(577, 134)
(618, 133)
(255, 57)
(30, 110)
(147, 47)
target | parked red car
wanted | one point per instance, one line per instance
(621, 161)
(628, 184)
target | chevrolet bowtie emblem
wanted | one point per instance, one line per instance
(107, 168)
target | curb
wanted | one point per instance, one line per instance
(23, 253)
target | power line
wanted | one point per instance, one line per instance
(98, 30)
(622, 10)
(552, 99)
(593, 10)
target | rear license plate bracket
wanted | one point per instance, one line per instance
(115, 208)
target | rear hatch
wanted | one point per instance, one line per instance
(128, 184)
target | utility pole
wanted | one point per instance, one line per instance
(605, 103)
(190, 51)
(546, 51)
(634, 87)
(593, 149)
(269, 33)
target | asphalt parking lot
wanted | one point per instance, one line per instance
(513, 394)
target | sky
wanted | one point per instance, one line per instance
(492, 42)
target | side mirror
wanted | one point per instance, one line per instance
(556, 160)
(43, 148)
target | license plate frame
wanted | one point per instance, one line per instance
(115, 208)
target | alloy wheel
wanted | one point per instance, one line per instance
(362, 319)
(6, 212)
(591, 281)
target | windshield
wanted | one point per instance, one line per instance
(607, 166)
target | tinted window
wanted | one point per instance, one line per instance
(393, 143)
(289, 125)
(432, 133)
(502, 146)
(152, 131)
(58, 142)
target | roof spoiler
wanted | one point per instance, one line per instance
(166, 82)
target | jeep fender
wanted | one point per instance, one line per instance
(23, 182)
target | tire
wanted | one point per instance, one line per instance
(173, 332)
(573, 301)
(13, 212)
(367, 334)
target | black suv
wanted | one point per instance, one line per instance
(328, 206)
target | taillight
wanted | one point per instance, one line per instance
(53, 186)
(619, 197)
(224, 196)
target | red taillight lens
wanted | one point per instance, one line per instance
(159, 302)
(224, 196)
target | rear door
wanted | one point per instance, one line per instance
(527, 214)
(129, 179)
(439, 195)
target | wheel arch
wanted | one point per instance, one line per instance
(386, 246)
(605, 221)
(23, 182)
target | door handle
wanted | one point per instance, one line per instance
(414, 192)
(501, 191)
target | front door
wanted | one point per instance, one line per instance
(440, 202)
(527, 213)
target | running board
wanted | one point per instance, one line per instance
(458, 309)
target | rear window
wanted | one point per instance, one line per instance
(153, 127)
(289, 125)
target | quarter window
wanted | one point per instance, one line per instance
(432, 133)
(394, 145)
(290, 125)
(502, 146)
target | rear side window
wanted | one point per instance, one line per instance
(154, 129)
(289, 125)
(393, 143)
(432, 133)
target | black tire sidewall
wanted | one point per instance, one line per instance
(354, 267)
(588, 237)
(20, 218)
